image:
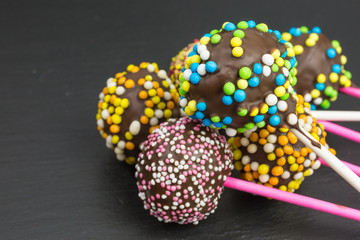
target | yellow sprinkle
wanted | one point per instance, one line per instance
(165, 84)
(343, 59)
(237, 154)
(254, 112)
(117, 102)
(290, 52)
(343, 79)
(310, 42)
(107, 98)
(280, 91)
(98, 116)
(291, 159)
(128, 136)
(204, 40)
(271, 156)
(188, 62)
(130, 160)
(156, 99)
(111, 109)
(192, 105)
(148, 78)
(283, 129)
(307, 172)
(236, 42)
(116, 119)
(130, 67)
(115, 139)
(294, 167)
(280, 62)
(321, 78)
(161, 105)
(149, 112)
(315, 136)
(263, 169)
(287, 84)
(347, 83)
(334, 77)
(112, 89)
(298, 49)
(315, 93)
(104, 105)
(167, 113)
(152, 92)
(292, 185)
(185, 86)
(238, 166)
(314, 36)
(339, 50)
(124, 103)
(242, 84)
(286, 36)
(276, 54)
(283, 188)
(264, 109)
(119, 110)
(237, 51)
(188, 111)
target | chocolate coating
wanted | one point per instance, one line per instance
(132, 105)
(181, 171)
(311, 51)
(232, 54)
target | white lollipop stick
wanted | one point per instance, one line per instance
(329, 158)
(337, 115)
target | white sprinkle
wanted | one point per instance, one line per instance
(269, 147)
(159, 114)
(167, 96)
(266, 71)
(120, 157)
(282, 106)
(285, 71)
(120, 90)
(307, 97)
(151, 68)
(298, 175)
(121, 144)
(268, 59)
(316, 165)
(201, 48)
(252, 148)
(245, 160)
(244, 142)
(148, 85)
(264, 178)
(271, 99)
(285, 175)
(254, 166)
(105, 114)
(204, 55)
(109, 80)
(154, 121)
(187, 73)
(162, 74)
(230, 132)
(307, 163)
(100, 123)
(292, 119)
(312, 156)
(271, 138)
(134, 127)
(201, 69)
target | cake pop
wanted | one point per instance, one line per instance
(320, 66)
(235, 77)
(181, 171)
(178, 63)
(132, 105)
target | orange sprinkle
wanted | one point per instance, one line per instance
(262, 141)
(300, 168)
(121, 80)
(149, 103)
(271, 129)
(296, 154)
(112, 98)
(109, 120)
(156, 84)
(281, 161)
(314, 129)
(129, 83)
(114, 128)
(105, 90)
(277, 171)
(100, 105)
(249, 177)
(160, 92)
(303, 151)
(288, 149)
(324, 134)
(119, 75)
(268, 185)
(141, 81)
(144, 119)
(264, 133)
(104, 135)
(274, 181)
(143, 95)
(279, 152)
(254, 137)
(99, 128)
(129, 146)
(292, 138)
(300, 99)
(323, 141)
(237, 142)
(170, 105)
(303, 117)
(333, 151)
(135, 69)
(153, 128)
(247, 167)
(300, 160)
(255, 175)
(144, 65)
(283, 140)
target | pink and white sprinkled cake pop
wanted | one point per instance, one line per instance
(181, 171)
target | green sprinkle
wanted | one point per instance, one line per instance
(304, 29)
(215, 38)
(275, 68)
(286, 96)
(214, 31)
(215, 119)
(229, 88)
(289, 44)
(292, 71)
(182, 79)
(249, 125)
(223, 126)
(334, 94)
(293, 81)
(348, 74)
(241, 130)
(325, 104)
(239, 33)
(328, 91)
(260, 124)
(335, 43)
(242, 112)
(245, 72)
(182, 92)
(287, 64)
(242, 25)
(262, 27)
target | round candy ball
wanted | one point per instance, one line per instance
(275, 158)
(132, 105)
(320, 66)
(181, 171)
(178, 63)
(238, 73)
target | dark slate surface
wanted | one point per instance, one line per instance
(57, 178)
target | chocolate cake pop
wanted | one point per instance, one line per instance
(320, 66)
(277, 159)
(132, 105)
(181, 171)
(235, 77)
(178, 63)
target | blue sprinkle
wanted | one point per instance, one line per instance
(280, 79)
(227, 100)
(258, 118)
(227, 120)
(274, 120)
(192, 116)
(218, 124)
(336, 68)
(312, 107)
(254, 82)
(277, 34)
(251, 24)
(210, 66)
(292, 62)
(316, 30)
(183, 69)
(331, 53)
(192, 54)
(297, 32)
(257, 69)
(195, 48)
(272, 109)
(284, 55)
(239, 95)
(270, 30)
(194, 67)
(282, 41)
(199, 115)
(320, 86)
(292, 30)
(229, 26)
(201, 106)
(207, 35)
(195, 78)
(207, 122)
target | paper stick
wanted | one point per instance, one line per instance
(345, 116)
(354, 168)
(292, 198)
(341, 131)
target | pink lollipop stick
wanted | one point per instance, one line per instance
(355, 92)
(341, 131)
(293, 198)
(354, 168)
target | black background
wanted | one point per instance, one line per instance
(57, 178)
